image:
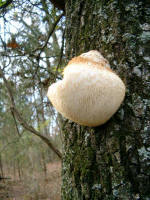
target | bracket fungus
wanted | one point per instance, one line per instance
(90, 92)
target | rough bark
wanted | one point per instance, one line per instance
(111, 161)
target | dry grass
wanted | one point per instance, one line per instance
(35, 186)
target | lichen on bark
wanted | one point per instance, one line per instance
(111, 161)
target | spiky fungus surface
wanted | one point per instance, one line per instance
(90, 92)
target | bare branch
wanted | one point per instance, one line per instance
(23, 122)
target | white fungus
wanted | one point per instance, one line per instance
(90, 92)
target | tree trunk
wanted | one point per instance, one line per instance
(111, 161)
(1, 167)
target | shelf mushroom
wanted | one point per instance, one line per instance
(90, 92)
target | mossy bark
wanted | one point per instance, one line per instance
(111, 161)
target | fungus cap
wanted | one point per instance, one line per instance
(90, 92)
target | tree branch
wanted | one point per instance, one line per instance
(35, 132)
(23, 122)
(17, 129)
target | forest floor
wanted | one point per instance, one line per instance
(37, 188)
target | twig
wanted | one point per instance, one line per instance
(4, 44)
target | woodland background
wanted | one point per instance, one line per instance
(109, 162)
(31, 56)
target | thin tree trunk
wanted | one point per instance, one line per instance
(14, 169)
(111, 161)
(19, 169)
(43, 164)
(1, 167)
